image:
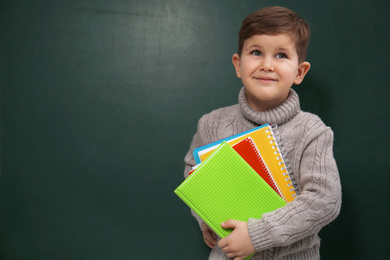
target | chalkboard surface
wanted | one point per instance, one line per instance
(100, 100)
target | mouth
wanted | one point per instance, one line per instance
(265, 79)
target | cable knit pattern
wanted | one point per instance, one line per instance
(290, 232)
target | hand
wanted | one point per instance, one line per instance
(209, 236)
(237, 244)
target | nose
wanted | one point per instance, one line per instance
(267, 65)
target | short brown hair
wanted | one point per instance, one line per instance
(276, 20)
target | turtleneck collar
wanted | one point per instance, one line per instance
(277, 115)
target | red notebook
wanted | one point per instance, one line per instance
(248, 151)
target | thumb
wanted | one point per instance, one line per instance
(229, 223)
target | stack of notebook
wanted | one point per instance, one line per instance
(239, 177)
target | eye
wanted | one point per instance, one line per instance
(256, 53)
(281, 55)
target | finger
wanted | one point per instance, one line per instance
(229, 223)
(230, 255)
(210, 240)
(210, 236)
(213, 241)
(213, 233)
(209, 244)
(222, 244)
(213, 236)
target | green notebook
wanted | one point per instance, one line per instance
(224, 187)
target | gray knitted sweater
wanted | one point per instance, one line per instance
(290, 232)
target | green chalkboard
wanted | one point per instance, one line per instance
(100, 100)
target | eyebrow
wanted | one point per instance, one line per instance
(284, 49)
(254, 46)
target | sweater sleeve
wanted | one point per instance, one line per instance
(318, 203)
(198, 140)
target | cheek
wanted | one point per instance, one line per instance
(289, 73)
(248, 68)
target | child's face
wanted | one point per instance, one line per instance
(268, 67)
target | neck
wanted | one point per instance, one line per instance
(274, 115)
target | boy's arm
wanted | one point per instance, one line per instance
(318, 204)
(190, 161)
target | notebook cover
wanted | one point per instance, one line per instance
(248, 151)
(226, 187)
(269, 149)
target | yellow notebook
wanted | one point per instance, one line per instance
(265, 141)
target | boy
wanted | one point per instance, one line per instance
(271, 58)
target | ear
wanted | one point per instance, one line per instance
(302, 70)
(236, 62)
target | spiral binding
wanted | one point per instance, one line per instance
(263, 165)
(281, 154)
